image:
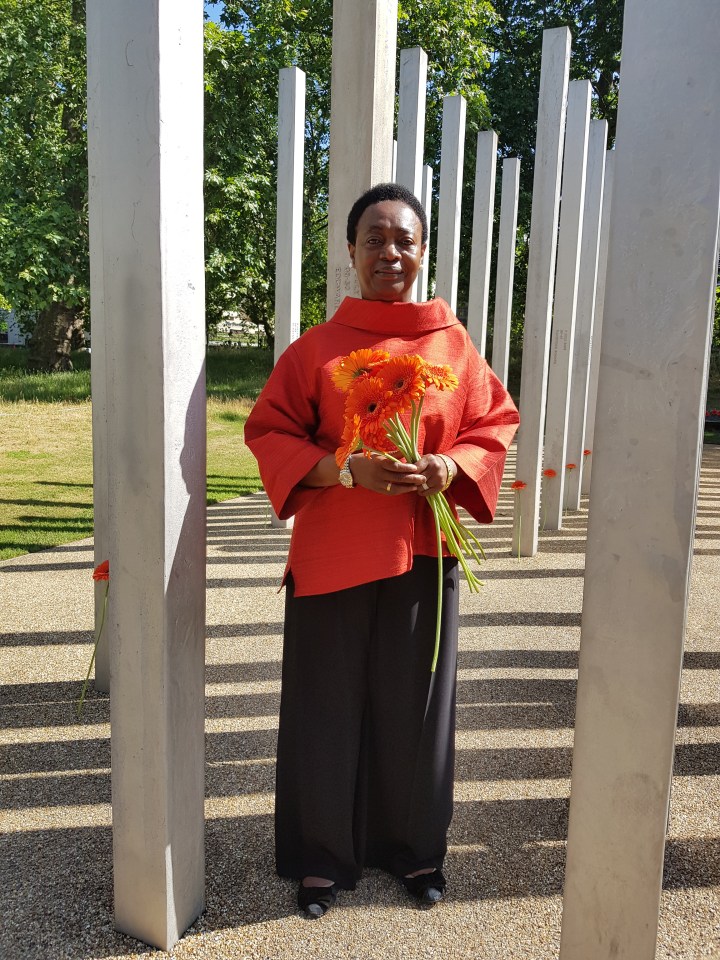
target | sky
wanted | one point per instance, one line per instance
(214, 8)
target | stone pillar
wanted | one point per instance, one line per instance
(587, 285)
(661, 276)
(541, 274)
(426, 199)
(361, 127)
(288, 232)
(483, 210)
(99, 373)
(505, 272)
(145, 61)
(411, 119)
(565, 305)
(451, 179)
(596, 341)
(288, 255)
(411, 125)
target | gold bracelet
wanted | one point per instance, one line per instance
(450, 473)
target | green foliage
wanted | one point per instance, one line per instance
(513, 82)
(232, 374)
(242, 63)
(43, 161)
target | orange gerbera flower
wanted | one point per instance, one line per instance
(350, 439)
(369, 400)
(359, 363)
(549, 472)
(440, 375)
(404, 380)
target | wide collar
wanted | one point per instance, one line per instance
(394, 319)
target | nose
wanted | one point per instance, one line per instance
(390, 251)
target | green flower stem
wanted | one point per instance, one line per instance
(460, 540)
(438, 616)
(519, 506)
(80, 702)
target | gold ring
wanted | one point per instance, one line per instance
(388, 487)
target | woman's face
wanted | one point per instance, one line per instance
(388, 250)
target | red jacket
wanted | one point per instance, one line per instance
(342, 538)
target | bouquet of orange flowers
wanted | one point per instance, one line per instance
(379, 390)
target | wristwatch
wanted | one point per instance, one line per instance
(346, 477)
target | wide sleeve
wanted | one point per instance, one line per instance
(280, 434)
(488, 424)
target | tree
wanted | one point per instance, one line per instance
(513, 83)
(44, 268)
(242, 64)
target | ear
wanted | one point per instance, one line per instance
(351, 251)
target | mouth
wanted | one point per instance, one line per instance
(390, 273)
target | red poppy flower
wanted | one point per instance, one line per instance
(518, 485)
(586, 453)
(570, 466)
(549, 472)
(102, 571)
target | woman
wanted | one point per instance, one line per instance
(366, 738)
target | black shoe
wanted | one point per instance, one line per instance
(428, 888)
(316, 901)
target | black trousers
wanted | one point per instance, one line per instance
(366, 744)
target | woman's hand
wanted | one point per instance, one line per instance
(385, 476)
(437, 471)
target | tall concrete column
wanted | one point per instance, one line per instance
(288, 250)
(483, 211)
(505, 272)
(426, 199)
(411, 119)
(145, 60)
(411, 125)
(541, 274)
(451, 179)
(596, 341)
(361, 127)
(99, 375)
(566, 291)
(661, 276)
(288, 232)
(584, 320)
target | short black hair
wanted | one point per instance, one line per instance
(378, 193)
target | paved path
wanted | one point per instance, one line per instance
(518, 661)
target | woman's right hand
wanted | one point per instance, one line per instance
(384, 476)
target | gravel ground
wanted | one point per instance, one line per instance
(518, 665)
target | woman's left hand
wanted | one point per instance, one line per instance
(435, 469)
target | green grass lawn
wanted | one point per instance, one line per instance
(46, 465)
(46, 444)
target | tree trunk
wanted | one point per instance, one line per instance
(52, 336)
